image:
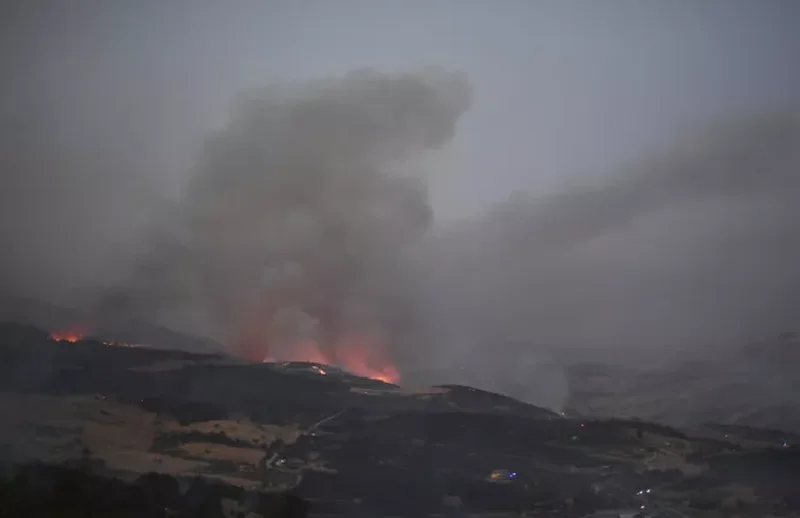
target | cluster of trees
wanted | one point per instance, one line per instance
(66, 492)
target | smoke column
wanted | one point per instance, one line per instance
(291, 238)
(304, 230)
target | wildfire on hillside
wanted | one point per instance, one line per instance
(355, 354)
(77, 333)
(71, 334)
(362, 356)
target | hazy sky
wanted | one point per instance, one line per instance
(561, 87)
(676, 120)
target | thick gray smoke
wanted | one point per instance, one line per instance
(696, 245)
(306, 221)
(67, 212)
(296, 224)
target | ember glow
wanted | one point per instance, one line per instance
(79, 332)
(71, 335)
(362, 356)
(355, 354)
(387, 374)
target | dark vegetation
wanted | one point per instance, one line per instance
(168, 441)
(31, 362)
(765, 469)
(434, 454)
(387, 453)
(63, 492)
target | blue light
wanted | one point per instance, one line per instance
(512, 475)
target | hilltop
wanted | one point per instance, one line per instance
(44, 315)
(348, 445)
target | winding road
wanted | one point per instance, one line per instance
(275, 456)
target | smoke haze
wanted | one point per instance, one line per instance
(692, 245)
(295, 225)
(330, 205)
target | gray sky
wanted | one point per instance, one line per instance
(562, 88)
(652, 147)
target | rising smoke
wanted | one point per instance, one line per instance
(293, 233)
(305, 229)
(693, 246)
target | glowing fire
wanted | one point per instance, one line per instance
(356, 354)
(79, 332)
(71, 335)
(361, 356)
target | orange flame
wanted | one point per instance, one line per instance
(356, 354)
(71, 335)
(363, 356)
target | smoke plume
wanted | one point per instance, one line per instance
(304, 230)
(691, 246)
(295, 226)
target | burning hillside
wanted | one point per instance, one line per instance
(293, 233)
(354, 355)
(292, 236)
(76, 333)
(71, 334)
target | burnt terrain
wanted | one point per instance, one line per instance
(99, 426)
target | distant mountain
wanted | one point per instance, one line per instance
(757, 385)
(134, 331)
